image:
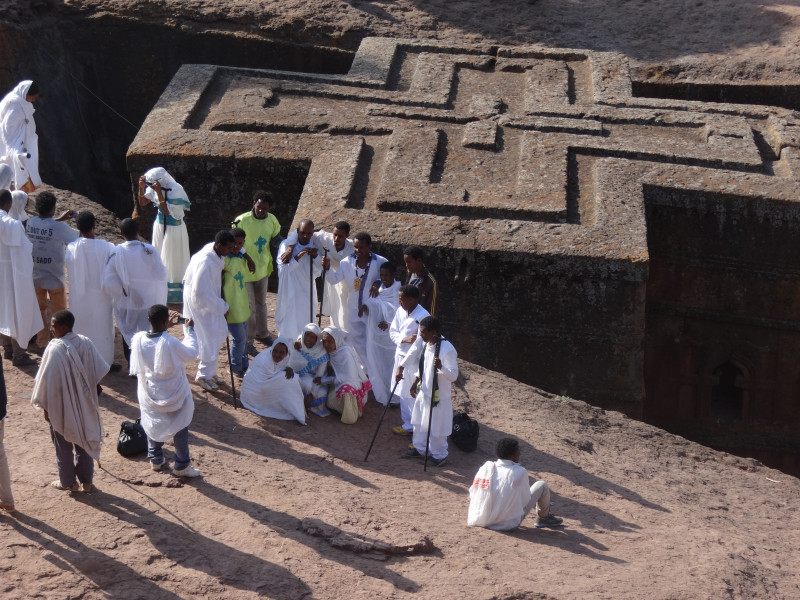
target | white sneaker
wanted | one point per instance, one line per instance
(189, 471)
(208, 385)
(157, 466)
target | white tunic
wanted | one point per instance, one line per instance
(297, 297)
(334, 301)
(202, 301)
(19, 143)
(135, 279)
(19, 313)
(380, 347)
(404, 325)
(165, 398)
(499, 495)
(86, 259)
(348, 272)
(442, 423)
(66, 387)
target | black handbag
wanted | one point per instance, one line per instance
(132, 439)
(465, 432)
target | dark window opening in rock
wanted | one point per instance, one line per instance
(726, 395)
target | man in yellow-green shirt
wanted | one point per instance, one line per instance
(262, 230)
(238, 267)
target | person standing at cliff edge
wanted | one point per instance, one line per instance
(19, 142)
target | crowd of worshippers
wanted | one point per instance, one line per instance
(383, 341)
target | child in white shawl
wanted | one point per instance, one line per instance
(308, 362)
(269, 387)
(350, 381)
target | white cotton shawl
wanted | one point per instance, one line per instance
(19, 313)
(66, 387)
(298, 362)
(344, 360)
(267, 392)
(6, 177)
(175, 192)
(18, 134)
(165, 398)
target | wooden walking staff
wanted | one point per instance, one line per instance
(434, 396)
(385, 408)
(321, 300)
(230, 367)
(310, 288)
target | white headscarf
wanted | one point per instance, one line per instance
(173, 189)
(300, 358)
(344, 360)
(268, 366)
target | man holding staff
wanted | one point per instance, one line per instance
(297, 294)
(434, 360)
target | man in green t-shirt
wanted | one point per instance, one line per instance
(263, 231)
(238, 267)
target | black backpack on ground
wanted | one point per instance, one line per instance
(465, 432)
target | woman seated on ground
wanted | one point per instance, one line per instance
(269, 387)
(308, 362)
(350, 383)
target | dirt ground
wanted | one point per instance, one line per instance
(737, 41)
(285, 511)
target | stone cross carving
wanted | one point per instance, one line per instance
(515, 167)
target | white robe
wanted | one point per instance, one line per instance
(380, 347)
(442, 422)
(294, 310)
(202, 302)
(66, 387)
(19, 143)
(348, 273)
(135, 279)
(86, 260)
(165, 398)
(19, 200)
(172, 241)
(404, 325)
(267, 392)
(19, 313)
(334, 300)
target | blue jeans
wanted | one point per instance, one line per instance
(181, 456)
(239, 359)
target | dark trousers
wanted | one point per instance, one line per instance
(72, 461)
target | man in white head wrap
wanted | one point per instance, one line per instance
(19, 144)
(170, 236)
(270, 387)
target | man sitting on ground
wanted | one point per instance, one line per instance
(500, 497)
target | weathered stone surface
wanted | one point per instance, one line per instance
(529, 174)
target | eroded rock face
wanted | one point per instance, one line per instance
(534, 178)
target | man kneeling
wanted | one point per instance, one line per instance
(500, 497)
